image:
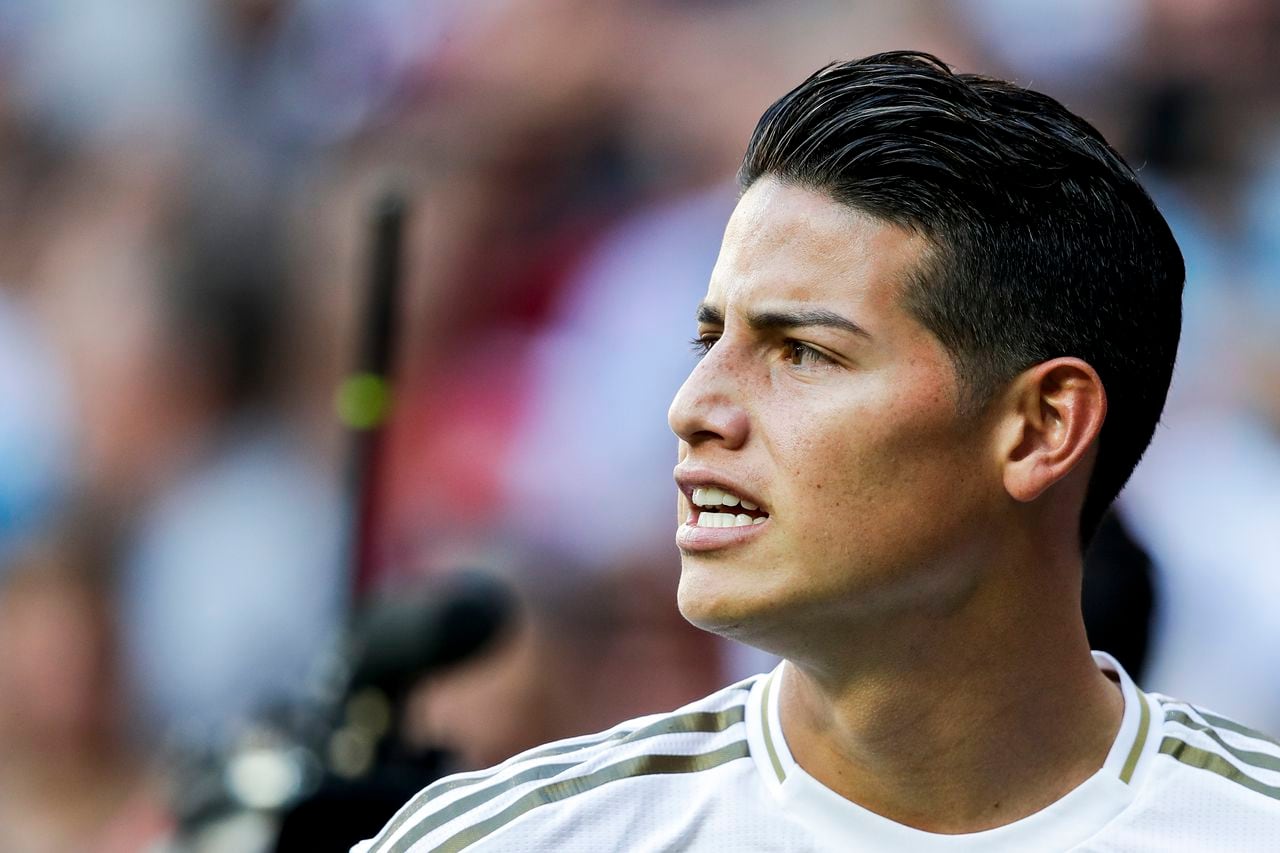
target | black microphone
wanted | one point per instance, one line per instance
(400, 639)
(393, 644)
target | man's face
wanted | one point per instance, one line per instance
(823, 402)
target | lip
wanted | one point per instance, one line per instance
(693, 539)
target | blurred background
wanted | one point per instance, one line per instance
(186, 198)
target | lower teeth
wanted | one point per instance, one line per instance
(726, 519)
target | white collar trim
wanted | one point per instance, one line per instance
(836, 821)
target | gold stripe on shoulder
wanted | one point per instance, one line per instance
(1203, 759)
(693, 721)
(709, 722)
(1261, 760)
(444, 786)
(1217, 721)
(1233, 726)
(640, 765)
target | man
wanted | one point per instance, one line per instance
(937, 340)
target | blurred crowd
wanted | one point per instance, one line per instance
(185, 201)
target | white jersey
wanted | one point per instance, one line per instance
(716, 775)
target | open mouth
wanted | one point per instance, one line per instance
(714, 507)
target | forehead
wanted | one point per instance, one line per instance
(789, 244)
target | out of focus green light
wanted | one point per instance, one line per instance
(363, 401)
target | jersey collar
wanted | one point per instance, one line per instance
(835, 821)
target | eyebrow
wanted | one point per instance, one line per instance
(792, 319)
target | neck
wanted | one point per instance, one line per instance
(962, 722)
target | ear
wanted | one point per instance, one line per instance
(1055, 414)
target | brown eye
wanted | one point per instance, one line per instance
(801, 355)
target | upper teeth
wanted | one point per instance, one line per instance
(704, 496)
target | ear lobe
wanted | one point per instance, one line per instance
(1058, 410)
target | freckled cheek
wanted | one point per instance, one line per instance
(829, 466)
(861, 468)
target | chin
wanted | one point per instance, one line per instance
(707, 602)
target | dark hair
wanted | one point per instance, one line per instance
(1043, 242)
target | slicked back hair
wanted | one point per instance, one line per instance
(1043, 243)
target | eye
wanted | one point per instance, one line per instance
(800, 354)
(702, 344)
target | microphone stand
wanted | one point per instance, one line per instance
(364, 773)
(365, 397)
(333, 772)
(307, 775)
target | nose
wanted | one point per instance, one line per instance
(708, 407)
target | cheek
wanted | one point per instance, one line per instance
(862, 464)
